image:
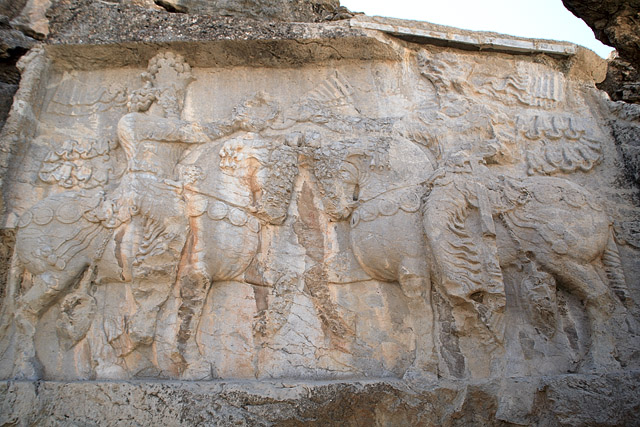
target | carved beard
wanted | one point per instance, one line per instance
(169, 100)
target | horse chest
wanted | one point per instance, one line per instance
(384, 244)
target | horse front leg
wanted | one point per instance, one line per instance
(415, 283)
(194, 289)
(176, 331)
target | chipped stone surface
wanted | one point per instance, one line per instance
(240, 210)
(13, 44)
(474, 40)
(622, 82)
(554, 401)
(614, 23)
(278, 10)
(33, 20)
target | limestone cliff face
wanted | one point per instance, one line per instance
(264, 10)
(614, 22)
(622, 82)
(354, 221)
(13, 44)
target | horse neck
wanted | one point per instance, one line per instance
(231, 188)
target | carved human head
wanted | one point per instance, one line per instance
(338, 178)
(255, 113)
(166, 81)
(268, 168)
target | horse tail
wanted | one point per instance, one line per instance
(614, 271)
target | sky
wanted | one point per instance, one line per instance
(541, 19)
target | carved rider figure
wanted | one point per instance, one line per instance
(466, 253)
(149, 199)
(465, 250)
(154, 138)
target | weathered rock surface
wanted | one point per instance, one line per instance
(33, 19)
(614, 23)
(11, 8)
(278, 10)
(626, 131)
(606, 400)
(622, 82)
(13, 44)
(288, 210)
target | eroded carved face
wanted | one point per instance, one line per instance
(442, 69)
(241, 163)
(348, 189)
(276, 180)
(255, 113)
(339, 186)
(336, 205)
(267, 169)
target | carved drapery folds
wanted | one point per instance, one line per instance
(433, 218)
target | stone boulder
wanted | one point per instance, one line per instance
(614, 23)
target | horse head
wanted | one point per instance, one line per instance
(340, 168)
(267, 168)
(352, 172)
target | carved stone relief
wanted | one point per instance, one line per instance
(435, 217)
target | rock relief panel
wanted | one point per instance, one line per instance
(369, 221)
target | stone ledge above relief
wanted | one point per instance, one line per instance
(475, 40)
(585, 64)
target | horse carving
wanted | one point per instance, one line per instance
(159, 226)
(228, 205)
(378, 184)
(382, 188)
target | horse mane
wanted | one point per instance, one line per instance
(327, 160)
(282, 167)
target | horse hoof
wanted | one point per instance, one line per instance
(414, 374)
(599, 364)
(28, 370)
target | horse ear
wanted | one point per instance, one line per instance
(294, 139)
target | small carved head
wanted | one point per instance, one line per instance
(443, 69)
(192, 174)
(268, 169)
(276, 178)
(232, 154)
(255, 113)
(165, 82)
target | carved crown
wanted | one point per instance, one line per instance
(168, 69)
(166, 81)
